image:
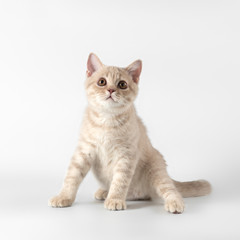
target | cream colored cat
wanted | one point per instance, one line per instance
(114, 144)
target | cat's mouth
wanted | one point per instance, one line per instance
(110, 97)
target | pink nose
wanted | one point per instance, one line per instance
(111, 90)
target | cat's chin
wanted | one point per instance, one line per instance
(112, 106)
(111, 103)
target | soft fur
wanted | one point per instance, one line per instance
(114, 144)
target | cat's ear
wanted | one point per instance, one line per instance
(134, 70)
(93, 64)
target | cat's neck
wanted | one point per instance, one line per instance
(112, 118)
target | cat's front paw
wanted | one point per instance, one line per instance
(60, 201)
(174, 205)
(115, 204)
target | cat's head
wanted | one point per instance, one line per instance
(111, 88)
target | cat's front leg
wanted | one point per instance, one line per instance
(77, 170)
(122, 176)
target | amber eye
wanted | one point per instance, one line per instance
(122, 85)
(102, 82)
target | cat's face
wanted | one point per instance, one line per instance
(111, 88)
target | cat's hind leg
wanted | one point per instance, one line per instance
(163, 185)
(101, 194)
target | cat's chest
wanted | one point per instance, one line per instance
(112, 145)
(107, 156)
(109, 145)
(111, 138)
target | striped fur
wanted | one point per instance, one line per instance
(114, 144)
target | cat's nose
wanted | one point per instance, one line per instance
(111, 90)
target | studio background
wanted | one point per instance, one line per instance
(188, 99)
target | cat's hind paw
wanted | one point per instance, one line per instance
(60, 201)
(101, 194)
(115, 204)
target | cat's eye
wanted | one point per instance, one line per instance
(122, 85)
(102, 82)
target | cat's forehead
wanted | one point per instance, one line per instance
(115, 73)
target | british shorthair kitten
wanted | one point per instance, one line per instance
(114, 144)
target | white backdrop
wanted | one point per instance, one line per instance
(189, 100)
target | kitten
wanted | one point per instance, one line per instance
(114, 144)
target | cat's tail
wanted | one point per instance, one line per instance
(193, 188)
